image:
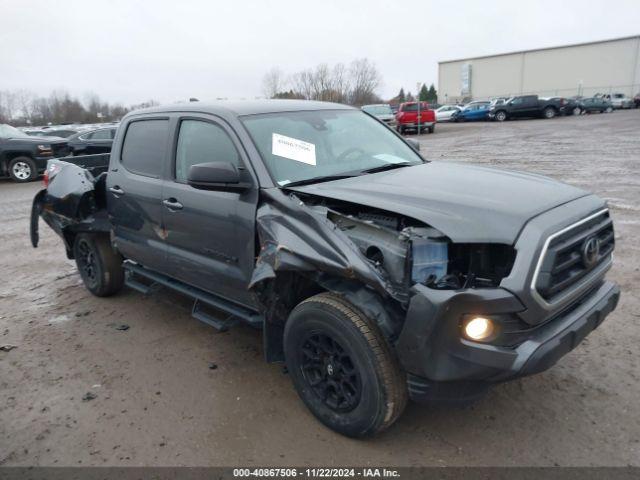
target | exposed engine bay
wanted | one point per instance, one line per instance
(409, 252)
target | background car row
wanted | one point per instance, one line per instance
(414, 116)
(24, 154)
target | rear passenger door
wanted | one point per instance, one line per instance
(518, 107)
(134, 191)
(210, 234)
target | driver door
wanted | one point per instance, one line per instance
(210, 235)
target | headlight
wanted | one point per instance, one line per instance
(479, 329)
(44, 148)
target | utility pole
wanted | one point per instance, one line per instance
(418, 90)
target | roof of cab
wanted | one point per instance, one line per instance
(244, 107)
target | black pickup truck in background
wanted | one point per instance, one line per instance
(527, 106)
(23, 157)
(375, 275)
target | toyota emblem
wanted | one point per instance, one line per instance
(590, 251)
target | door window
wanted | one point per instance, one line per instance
(144, 146)
(202, 142)
(101, 135)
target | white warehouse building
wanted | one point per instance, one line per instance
(608, 66)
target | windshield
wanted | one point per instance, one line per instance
(7, 131)
(297, 146)
(378, 109)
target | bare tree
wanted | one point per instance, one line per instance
(356, 85)
(365, 80)
(302, 83)
(341, 83)
(8, 104)
(273, 82)
(23, 107)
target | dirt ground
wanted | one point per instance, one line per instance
(158, 402)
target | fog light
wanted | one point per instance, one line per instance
(478, 328)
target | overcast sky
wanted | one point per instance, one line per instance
(130, 51)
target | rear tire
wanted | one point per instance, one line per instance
(432, 129)
(609, 110)
(99, 265)
(22, 170)
(342, 367)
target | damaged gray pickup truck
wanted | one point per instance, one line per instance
(376, 276)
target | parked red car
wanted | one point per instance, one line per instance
(407, 117)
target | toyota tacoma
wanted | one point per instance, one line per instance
(375, 275)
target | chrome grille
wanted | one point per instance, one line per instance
(571, 254)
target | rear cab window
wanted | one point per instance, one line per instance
(143, 149)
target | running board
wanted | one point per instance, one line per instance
(199, 297)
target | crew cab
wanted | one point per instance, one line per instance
(416, 116)
(375, 275)
(23, 157)
(527, 106)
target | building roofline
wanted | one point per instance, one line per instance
(556, 47)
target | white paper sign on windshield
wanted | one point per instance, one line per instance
(293, 149)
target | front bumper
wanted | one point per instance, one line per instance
(441, 364)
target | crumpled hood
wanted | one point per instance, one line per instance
(467, 203)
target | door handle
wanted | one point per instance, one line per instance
(172, 204)
(116, 190)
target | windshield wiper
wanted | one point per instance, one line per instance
(388, 166)
(324, 178)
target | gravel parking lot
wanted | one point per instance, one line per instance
(172, 391)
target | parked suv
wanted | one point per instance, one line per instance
(412, 116)
(375, 275)
(618, 100)
(23, 157)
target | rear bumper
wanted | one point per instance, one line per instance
(442, 365)
(415, 125)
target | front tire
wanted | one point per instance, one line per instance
(342, 367)
(501, 116)
(22, 170)
(99, 265)
(432, 129)
(549, 112)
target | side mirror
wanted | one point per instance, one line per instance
(414, 143)
(223, 176)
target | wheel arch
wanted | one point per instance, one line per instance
(7, 156)
(97, 226)
(280, 295)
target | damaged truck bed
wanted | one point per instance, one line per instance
(375, 275)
